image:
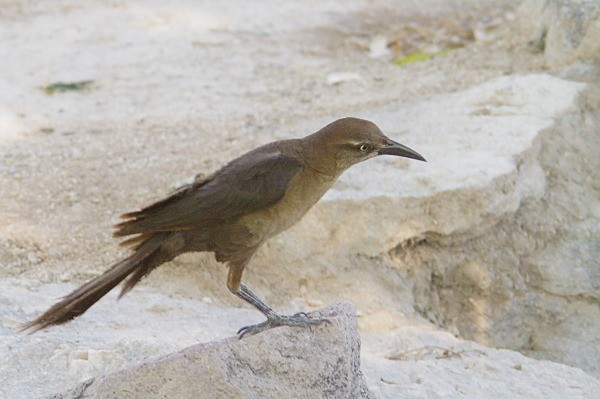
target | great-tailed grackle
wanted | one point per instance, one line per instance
(232, 212)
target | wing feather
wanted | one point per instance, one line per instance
(248, 184)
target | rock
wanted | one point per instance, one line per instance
(482, 164)
(282, 362)
(566, 31)
(378, 47)
(538, 267)
(420, 362)
(582, 277)
(413, 360)
(340, 77)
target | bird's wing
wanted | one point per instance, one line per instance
(249, 183)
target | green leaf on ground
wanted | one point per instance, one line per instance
(419, 56)
(70, 86)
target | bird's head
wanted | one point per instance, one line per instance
(348, 141)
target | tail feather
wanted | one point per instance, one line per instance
(148, 255)
(135, 242)
(151, 262)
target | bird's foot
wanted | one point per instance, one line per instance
(300, 319)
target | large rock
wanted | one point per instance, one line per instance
(416, 361)
(321, 362)
(111, 350)
(481, 145)
(566, 31)
(531, 282)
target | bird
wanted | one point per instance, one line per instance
(231, 213)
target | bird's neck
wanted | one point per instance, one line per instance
(313, 156)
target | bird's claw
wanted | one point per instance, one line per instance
(299, 319)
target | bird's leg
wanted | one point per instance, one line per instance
(249, 296)
(274, 319)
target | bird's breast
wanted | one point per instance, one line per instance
(304, 190)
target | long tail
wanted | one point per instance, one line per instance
(148, 255)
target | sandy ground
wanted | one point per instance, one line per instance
(178, 89)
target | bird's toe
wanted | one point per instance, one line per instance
(300, 319)
(253, 329)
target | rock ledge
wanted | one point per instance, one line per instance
(283, 362)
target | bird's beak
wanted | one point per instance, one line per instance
(394, 148)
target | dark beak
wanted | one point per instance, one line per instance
(394, 148)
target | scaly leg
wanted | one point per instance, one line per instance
(274, 319)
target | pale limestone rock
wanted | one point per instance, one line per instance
(566, 31)
(322, 362)
(482, 164)
(415, 361)
(530, 282)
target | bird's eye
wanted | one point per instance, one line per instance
(364, 147)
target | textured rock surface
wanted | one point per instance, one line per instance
(282, 363)
(415, 361)
(486, 147)
(565, 31)
(547, 272)
(324, 363)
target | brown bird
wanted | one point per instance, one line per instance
(232, 213)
